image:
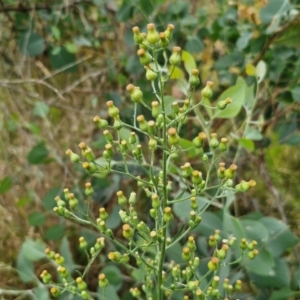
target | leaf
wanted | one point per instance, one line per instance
(114, 220)
(48, 200)
(110, 293)
(62, 59)
(243, 41)
(38, 154)
(186, 144)
(113, 275)
(65, 251)
(25, 268)
(210, 222)
(55, 232)
(41, 292)
(237, 95)
(247, 144)
(281, 238)
(194, 45)
(262, 264)
(41, 109)
(255, 230)
(274, 9)
(296, 94)
(5, 184)
(249, 97)
(32, 44)
(168, 104)
(34, 250)
(250, 70)
(253, 134)
(188, 61)
(71, 48)
(283, 294)
(261, 71)
(36, 219)
(177, 73)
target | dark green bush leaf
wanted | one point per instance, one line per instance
(32, 44)
(38, 154)
(55, 232)
(36, 219)
(62, 59)
(48, 200)
(5, 184)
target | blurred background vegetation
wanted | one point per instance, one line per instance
(62, 60)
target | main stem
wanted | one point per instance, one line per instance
(162, 247)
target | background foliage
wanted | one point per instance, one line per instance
(62, 60)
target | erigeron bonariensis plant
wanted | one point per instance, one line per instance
(144, 246)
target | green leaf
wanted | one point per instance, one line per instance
(255, 230)
(243, 41)
(62, 59)
(296, 94)
(38, 154)
(113, 275)
(41, 292)
(71, 48)
(55, 32)
(110, 292)
(32, 44)
(283, 294)
(188, 61)
(253, 134)
(281, 238)
(186, 144)
(34, 250)
(36, 219)
(41, 109)
(237, 95)
(5, 184)
(278, 277)
(55, 232)
(65, 251)
(168, 104)
(210, 222)
(232, 226)
(274, 9)
(48, 200)
(194, 45)
(249, 97)
(247, 144)
(25, 268)
(114, 219)
(262, 264)
(261, 71)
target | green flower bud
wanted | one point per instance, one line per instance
(186, 254)
(63, 272)
(82, 243)
(238, 285)
(186, 105)
(245, 186)
(59, 259)
(231, 172)
(196, 177)
(101, 224)
(243, 244)
(212, 242)
(213, 264)
(207, 91)
(153, 213)
(117, 123)
(151, 127)
(223, 145)
(199, 295)
(198, 141)
(108, 136)
(152, 35)
(132, 138)
(73, 202)
(155, 201)
(191, 243)
(132, 198)
(168, 216)
(103, 282)
(155, 109)
(102, 124)
(122, 200)
(175, 107)
(164, 41)
(59, 201)
(55, 292)
(205, 158)
(175, 58)
(142, 123)
(135, 93)
(150, 74)
(88, 189)
(196, 262)
(192, 285)
(221, 254)
(115, 256)
(89, 167)
(85, 295)
(251, 245)
(103, 214)
(145, 57)
(221, 170)
(228, 183)
(173, 137)
(46, 277)
(89, 155)
(99, 244)
(168, 31)
(194, 203)
(152, 144)
(137, 36)
(113, 111)
(214, 143)
(75, 158)
(50, 254)
(194, 78)
(223, 104)
(176, 272)
(252, 254)
(127, 231)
